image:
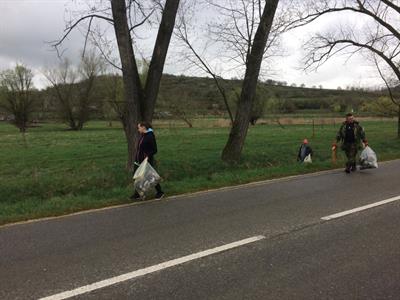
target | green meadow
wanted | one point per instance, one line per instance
(51, 171)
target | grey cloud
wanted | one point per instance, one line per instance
(28, 27)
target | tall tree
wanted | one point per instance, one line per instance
(232, 34)
(253, 59)
(16, 95)
(126, 17)
(244, 36)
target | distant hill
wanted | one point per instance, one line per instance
(196, 96)
(201, 94)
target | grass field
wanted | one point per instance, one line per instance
(53, 171)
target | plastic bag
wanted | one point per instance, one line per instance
(307, 159)
(145, 178)
(368, 159)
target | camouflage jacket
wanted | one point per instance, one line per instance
(359, 135)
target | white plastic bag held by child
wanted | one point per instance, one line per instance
(368, 159)
(145, 177)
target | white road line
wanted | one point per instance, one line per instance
(354, 210)
(128, 276)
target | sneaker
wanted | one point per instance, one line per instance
(347, 170)
(160, 195)
(135, 196)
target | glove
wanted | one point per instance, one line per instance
(365, 143)
(334, 146)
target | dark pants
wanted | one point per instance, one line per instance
(351, 153)
(158, 186)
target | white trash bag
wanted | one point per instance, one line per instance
(308, 159)
(145, 178)
(368, 159)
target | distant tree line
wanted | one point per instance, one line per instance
(78, 94)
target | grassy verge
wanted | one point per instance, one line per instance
(52, 171)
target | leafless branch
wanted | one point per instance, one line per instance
(133, 27)
(71, 27)
(327, 7)
(392, 5)
(391, 95)
(182, 34)
(324, 48)
(87, 36)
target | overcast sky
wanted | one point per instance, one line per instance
(28, 25)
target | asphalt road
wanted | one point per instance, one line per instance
(300, 257)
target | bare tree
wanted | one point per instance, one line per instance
(235, 32)
(74, 89)
(90, 68)
(126, 17)
(233, 36)
(380, 38)
(16, 95)
(245, 36)
(62, 80)
(253, 59)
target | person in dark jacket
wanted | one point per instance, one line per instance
(352, 137)
(147, 147)
(304, 151)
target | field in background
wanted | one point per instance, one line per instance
(53, 171)
(281, 119)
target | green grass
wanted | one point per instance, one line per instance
(53, 171)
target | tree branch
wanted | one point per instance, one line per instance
(362, 9)
(184, 37)
(142, 22)
(86, 37)
(331, 44)
(392, 5)
(386, 82)
(70, 28)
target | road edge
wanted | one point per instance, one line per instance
(185, 195)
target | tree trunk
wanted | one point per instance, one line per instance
(84, 101)
(398, 123)
(158, 59)
(188, 122)
(133, 92)
(238, 133)
(131, 135)
(139, 103)
(72, 124)
(79, 127)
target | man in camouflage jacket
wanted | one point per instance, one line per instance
(351, 135)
